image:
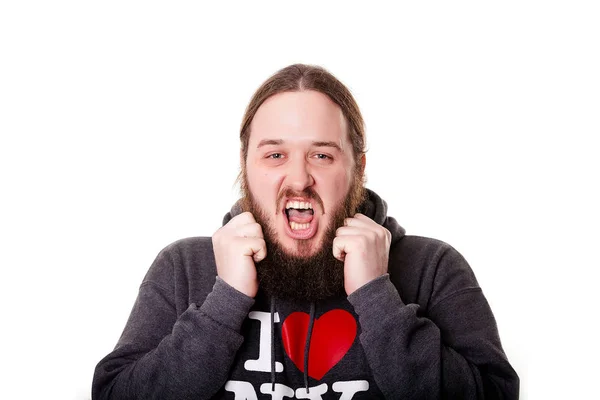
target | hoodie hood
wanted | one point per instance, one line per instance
(374, 207)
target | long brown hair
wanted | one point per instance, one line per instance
(299, 77)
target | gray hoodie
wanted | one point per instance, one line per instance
(422, 331)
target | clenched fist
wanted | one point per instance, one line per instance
(237, 246)
(364, 246)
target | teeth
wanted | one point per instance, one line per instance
(299, 205)
(296, 226)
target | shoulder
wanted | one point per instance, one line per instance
(185, 259)
(411, 246)
(423, 251)
(188, 248)
(425, 268)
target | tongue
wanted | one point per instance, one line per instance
(299, 216)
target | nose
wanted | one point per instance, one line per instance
(299, 175)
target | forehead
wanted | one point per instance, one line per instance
(296, 116)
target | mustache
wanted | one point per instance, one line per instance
(308, 193)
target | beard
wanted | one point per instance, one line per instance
(302, 276)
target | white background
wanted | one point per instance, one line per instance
(119, 128)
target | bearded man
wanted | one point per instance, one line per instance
(308, 290)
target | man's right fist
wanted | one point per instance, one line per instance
(237, 246)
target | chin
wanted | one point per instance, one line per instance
(301, 248)
(304, 253)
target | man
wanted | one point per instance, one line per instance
(309, 290)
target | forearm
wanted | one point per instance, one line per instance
(412, 357)
(192, 360)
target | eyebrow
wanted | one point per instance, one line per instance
(273, 142)
(267, 142)
(327, 144)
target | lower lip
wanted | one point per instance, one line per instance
(301, 234)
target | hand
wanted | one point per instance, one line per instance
(364, 246)
(237, 246)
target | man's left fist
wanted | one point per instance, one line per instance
(364, 246)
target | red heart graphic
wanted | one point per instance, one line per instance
(332, 336)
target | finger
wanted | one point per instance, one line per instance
(260, 254)
(339, 248)
(259, 249)
(249, 230)
(242, 219)
(364, 222)
(349, 230)
(359, 220)
(253, 247)
(361, 223)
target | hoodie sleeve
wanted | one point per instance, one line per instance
(161, 355)
(451, 350)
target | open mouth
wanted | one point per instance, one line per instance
(301, 222)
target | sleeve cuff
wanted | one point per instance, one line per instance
(375, 294)
(226, 305)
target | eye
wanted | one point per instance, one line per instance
(323, 157)
(275, 156)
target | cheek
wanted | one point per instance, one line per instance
(263, 184)
(343, 182)
(337, 188)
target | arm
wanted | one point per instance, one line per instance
(163, 356)
(451, 350)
